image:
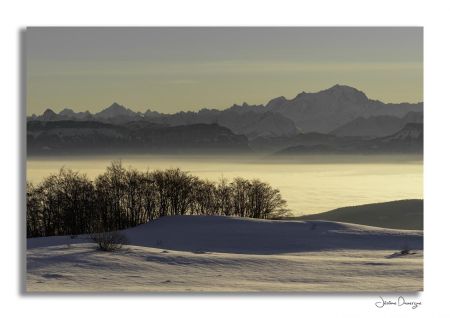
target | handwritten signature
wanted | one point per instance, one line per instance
(400, 301)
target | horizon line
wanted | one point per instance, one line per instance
(206, 108)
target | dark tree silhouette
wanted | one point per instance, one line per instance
(68, 203)
(62, 204)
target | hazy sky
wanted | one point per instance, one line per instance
(173, 69)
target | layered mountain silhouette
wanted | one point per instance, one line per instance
(407, 140)
(318, 121)
(68, 137)
(377, 126)
(329, 109)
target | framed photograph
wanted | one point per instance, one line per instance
(224, 159)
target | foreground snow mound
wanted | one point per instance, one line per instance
(222, 234)
(83, 268)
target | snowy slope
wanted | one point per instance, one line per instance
(210, 253)
(138, 269)
(255, 236)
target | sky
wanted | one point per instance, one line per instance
(180, 69)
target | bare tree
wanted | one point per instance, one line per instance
(109, 241)
(222, 195)
(34, 212)
(68, 203)
(240, 201)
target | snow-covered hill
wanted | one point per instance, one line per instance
(211, 253)
(254, 236)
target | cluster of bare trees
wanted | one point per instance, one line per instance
(68, 203)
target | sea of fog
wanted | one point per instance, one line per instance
(310, 184)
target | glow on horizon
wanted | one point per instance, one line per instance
(175, 69)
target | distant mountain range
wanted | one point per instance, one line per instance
(90, 137)
(329, 109)
(377, 126)
(334, 118)
(407, 140)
